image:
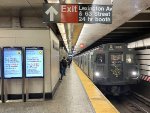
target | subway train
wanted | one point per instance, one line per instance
(112, 67)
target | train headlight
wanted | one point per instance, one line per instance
(97, 74)
(134, 74)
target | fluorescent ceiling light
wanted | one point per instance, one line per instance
(80, 3)
(62, 30)
(70, 1)
(104, 2)
(64, 37)
(65, 40)
(53, 1)
(61, 27)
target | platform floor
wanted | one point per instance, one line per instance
(99, 102)
(70, 97)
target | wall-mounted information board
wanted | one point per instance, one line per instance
(12, 62)
(34, 62)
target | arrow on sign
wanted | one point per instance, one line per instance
(51, 11)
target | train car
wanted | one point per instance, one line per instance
(112, 66)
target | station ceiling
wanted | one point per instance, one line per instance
(121, 29)
(135, 29)
(20, 3)
(21, 8)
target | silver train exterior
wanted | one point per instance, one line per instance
(111, 66)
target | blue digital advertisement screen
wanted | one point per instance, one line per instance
(12, 62)
(34, 62)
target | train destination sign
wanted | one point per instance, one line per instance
(77, 13)
(12, 62)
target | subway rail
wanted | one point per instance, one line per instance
(130, 104)
(111, 66)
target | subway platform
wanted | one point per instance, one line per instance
(71, 97)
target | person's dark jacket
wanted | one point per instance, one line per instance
(64, 63)
(61, 67)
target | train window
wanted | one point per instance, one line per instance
(129, 58)
(116, 58)
(100, 58)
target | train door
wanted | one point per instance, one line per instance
(115, 71)
(82, 62)
(86, 64)
(91, 67)
(78, 60)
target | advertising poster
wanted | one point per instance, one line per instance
(34, 62)
(12, 62)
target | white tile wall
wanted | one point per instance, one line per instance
(55, 74)
(145, 51)
(143, 55)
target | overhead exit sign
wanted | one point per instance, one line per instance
(77, 13)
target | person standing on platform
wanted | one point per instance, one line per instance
(64, 66)
(68, 62)
(61, 70)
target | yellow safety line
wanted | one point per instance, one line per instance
(98, 100)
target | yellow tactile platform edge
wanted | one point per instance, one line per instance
(98, 100)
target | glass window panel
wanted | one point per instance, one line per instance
(129, 58)
(100, 58)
